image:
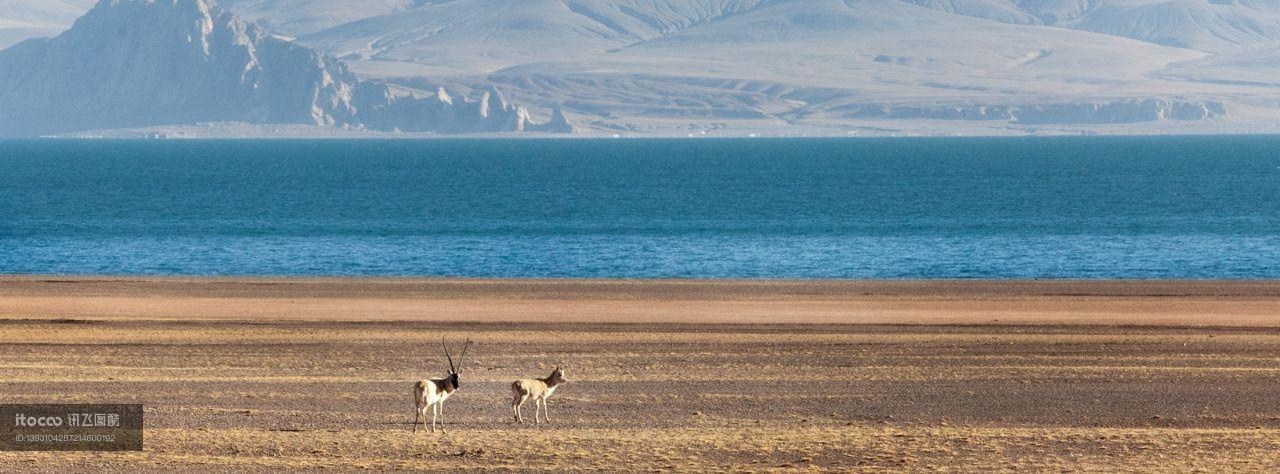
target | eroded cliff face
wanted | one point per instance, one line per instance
(382, 109)
(131, 63)
(1112, 112)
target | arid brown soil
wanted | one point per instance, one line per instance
(263, 375)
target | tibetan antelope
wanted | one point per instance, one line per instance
(433, 392)
(537, 389)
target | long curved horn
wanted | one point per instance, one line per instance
(447, 356)
(463, 357)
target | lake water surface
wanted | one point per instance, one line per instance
(1084, 207)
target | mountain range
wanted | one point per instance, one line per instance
(788, 66)
(139, 63)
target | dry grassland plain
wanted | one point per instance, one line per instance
(271, 374)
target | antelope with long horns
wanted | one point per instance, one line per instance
(433, 392)
(537, 389)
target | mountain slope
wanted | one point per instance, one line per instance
(671, 66)
(1194, 24)
(781, 61)
(1204, 25)
(300, 17)
(130, 63)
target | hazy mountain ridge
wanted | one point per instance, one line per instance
(624, 64)
(297, 17)
(24, 19)
(662, 66)
(132, 63)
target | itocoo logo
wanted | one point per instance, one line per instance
(37, 421)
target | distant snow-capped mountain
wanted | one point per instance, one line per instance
(676, 66)
(131, 63)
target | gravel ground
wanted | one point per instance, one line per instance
(225, 395)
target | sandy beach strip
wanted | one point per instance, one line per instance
(912, 302)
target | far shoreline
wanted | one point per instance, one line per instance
(591, 136)
(886, 286)
(1181, 303)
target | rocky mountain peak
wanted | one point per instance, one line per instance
(132, 63)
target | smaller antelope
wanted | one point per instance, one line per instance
(537, 389)
(433, 392)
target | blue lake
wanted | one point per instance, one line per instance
(1079, 207)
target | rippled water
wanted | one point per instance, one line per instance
(1086, 207)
